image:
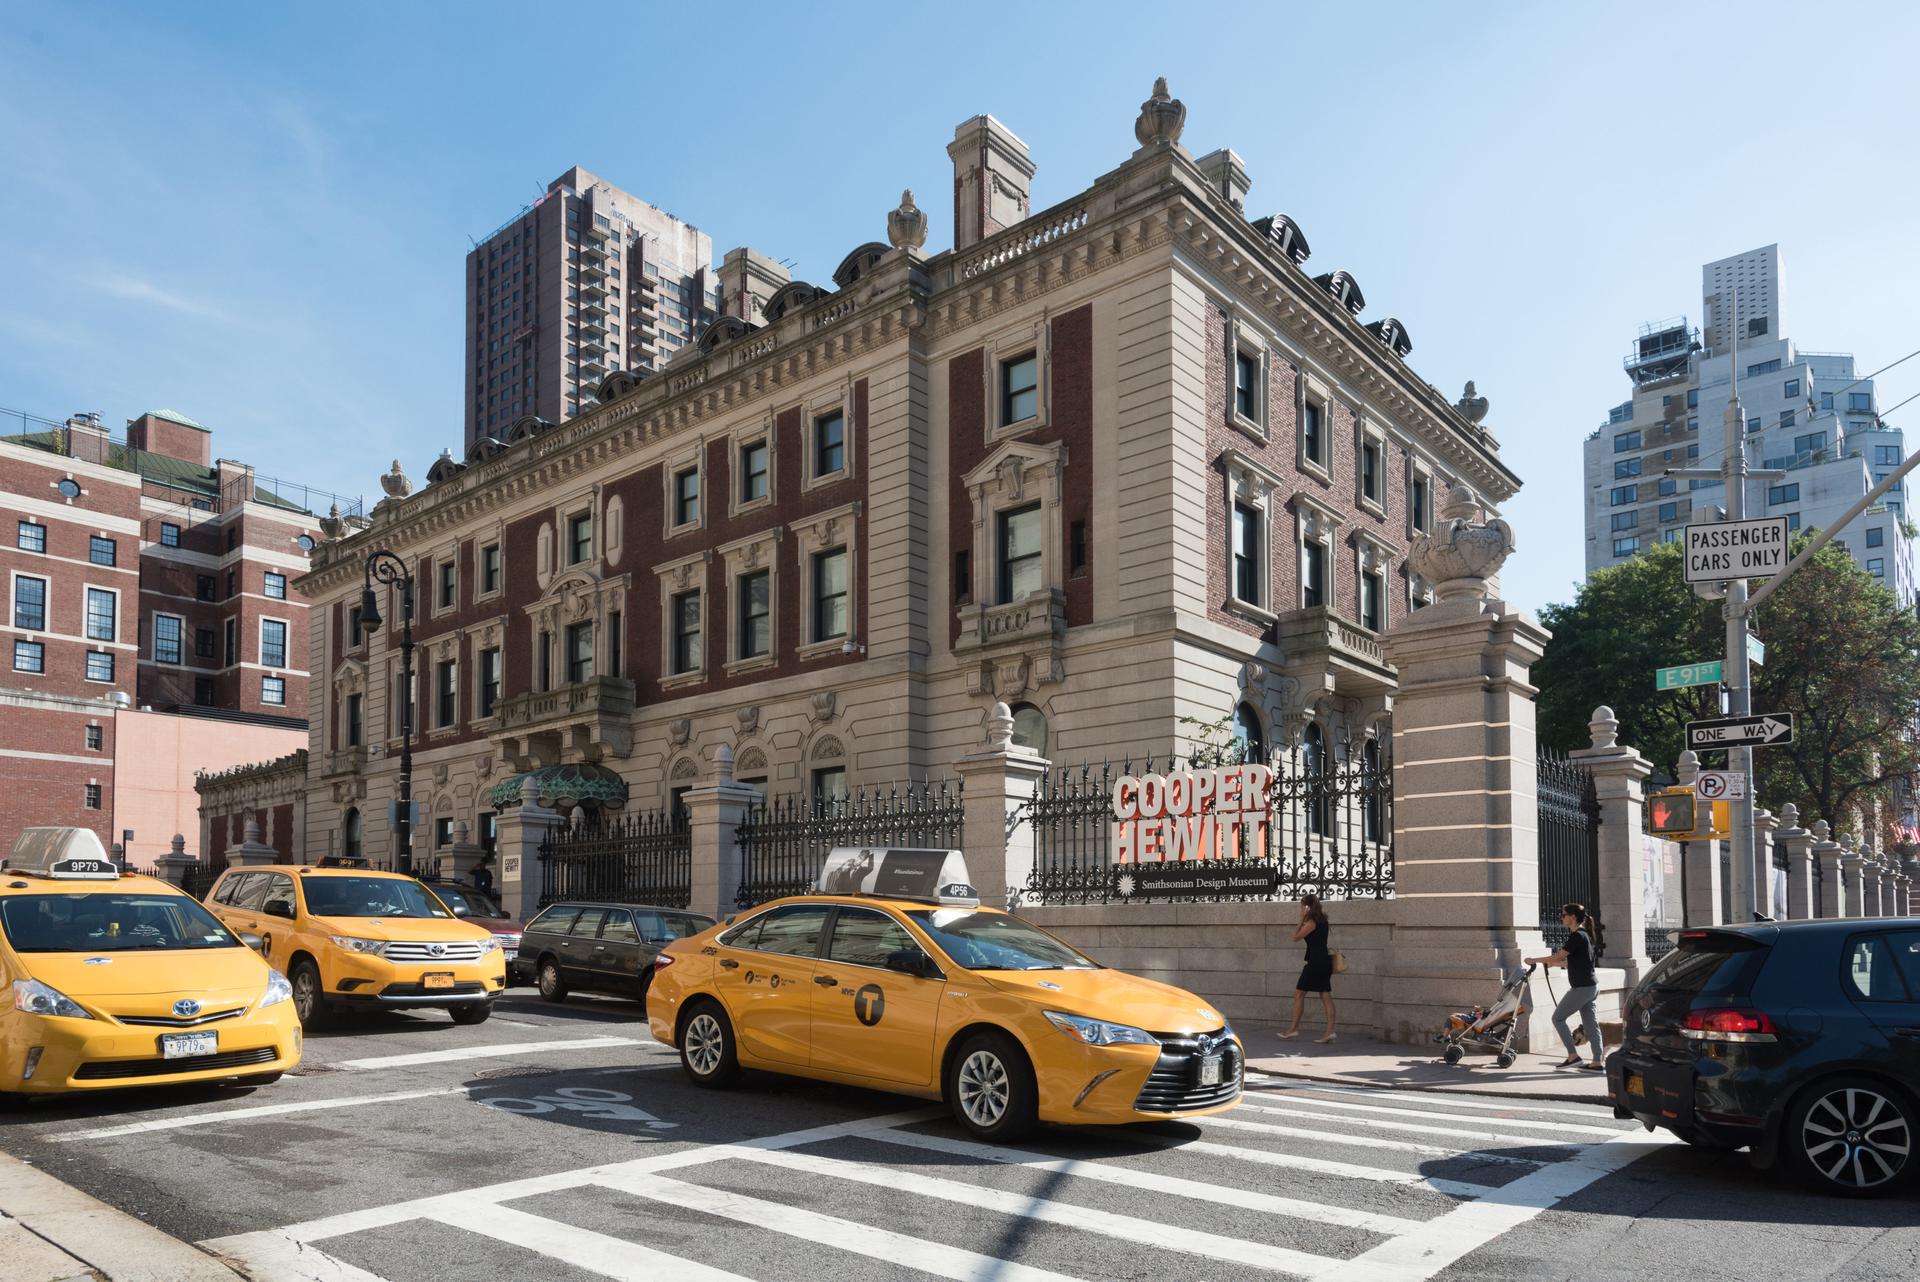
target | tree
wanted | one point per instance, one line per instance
(1842, 657)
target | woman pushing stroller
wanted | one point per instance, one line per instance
(1584, 941)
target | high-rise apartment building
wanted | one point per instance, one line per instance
(1806, 412)
(586, 281)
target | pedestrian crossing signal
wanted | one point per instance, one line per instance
(1671, 813)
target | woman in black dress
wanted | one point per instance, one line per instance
(1317, 975)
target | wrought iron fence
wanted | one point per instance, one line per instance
(643, 858)
(785, 840)
(1324, 830)
(1569, 841)
(200, 878)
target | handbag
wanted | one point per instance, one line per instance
(1339, 963)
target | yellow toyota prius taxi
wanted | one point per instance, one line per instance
(125, 980)
(902, 982)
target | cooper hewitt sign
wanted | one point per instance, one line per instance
(1191, 814)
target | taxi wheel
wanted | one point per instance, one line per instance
(990, 1088)
(552, 987)
(308, 1002)
(471, 1012)
(706, 1046)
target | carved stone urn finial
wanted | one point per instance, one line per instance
(1472, 405)
(395, 482)
(1465, 551)
(1000, 728)
(331, 524)
(1604, 728)
(907, 225)
(1162, 117)
(1789, 816)
(1821, 832)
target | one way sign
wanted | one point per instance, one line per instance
(1762, 729)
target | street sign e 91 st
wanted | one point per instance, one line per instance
(1687, 674)
(1736, 549)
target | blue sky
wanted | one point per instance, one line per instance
(257, 214)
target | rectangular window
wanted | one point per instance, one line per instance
(1669, 512)
(273, 691)
(1418, 503)
(1020, 553)
(1876, 537)
(545, 653)
(1625, 494)
(829, 444)
(1792, 391)
(753, 471)
(96, 738)
(273, 643)
(30, 604)
(442, 831)
(29, 656)
(233, 582)
(449, 585)
(1313, 579)
(100, 551)
(32, 537)
(755, 611)
(1886, 455)
(489, 681)
(614, 636)
(1783, 493)
(233, 538)
(445, 710)
(91, 799)
(1876, 567)
(1626, 520)
(1246, 553)
(1246, 385)
(233, 642)
(830, 784)
(1693, 451)
(1370, 598)
(275, 585)
(1859, 402)
(686, 632)
(1808, 442)
(963, 575)
(490, 567)
(1625, 468)
(579, 538)
(167, 638)
(686, 496)
(1627, 546)
(1312, 435)
(203, 587)
(1753, 424)
(101, 608)
(1370, 471)
(355, 724)
(579, 638)
(1786, 418)
(1077, 548)
(99, 666)
(169, 535)
(830, 594)
(1669, 486)
(1764, 367)
(1693, 398)
(1626, 441)
(1020, 388)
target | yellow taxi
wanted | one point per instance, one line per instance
(903, 982)
(345, 935)
(123, 980)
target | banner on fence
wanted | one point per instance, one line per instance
(1191, 814)
(1197, 881)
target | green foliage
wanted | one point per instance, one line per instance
(1841, 656)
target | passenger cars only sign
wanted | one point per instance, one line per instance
(1736, 549)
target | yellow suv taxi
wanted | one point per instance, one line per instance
(907, 984)
(347, 935)
(123, 980)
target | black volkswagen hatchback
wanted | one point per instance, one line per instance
(1797, 1040)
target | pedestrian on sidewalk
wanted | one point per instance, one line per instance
(1317, 975)
(1584, 942)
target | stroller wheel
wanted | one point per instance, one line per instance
(1504, 1059)
(1453, 1055)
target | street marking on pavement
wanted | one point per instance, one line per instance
(1152, 1181)
(897, 1249)
(1564, 1128)
(583, 1248)
(269, 1255)
(1471, 1226)
(494, 1051)
(1520, 1105)
(1416, 1128)
(1072, 1215)
(1363, 1141)
(1345, 1170)
(241, 1114)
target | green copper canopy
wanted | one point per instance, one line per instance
(561, 787)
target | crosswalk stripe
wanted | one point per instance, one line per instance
(610, 1257)
(1358, 1141)
(490, 1051)
(1564, 1128)
(1152, 1181)
(1415, 1128)
(1434, 1097)
(1345, 1170)
(240, 1114)
(1127, 1228)
(277, 1255)
(842, 1235)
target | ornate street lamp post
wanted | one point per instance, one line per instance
(385, 567)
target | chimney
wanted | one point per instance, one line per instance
(236, 483)
(991, 177)
(1226, 176)
(87, 439)
(748, 279)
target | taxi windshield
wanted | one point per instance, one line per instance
(464, 902)
(109, 923)
(370, 897)
(995, 941)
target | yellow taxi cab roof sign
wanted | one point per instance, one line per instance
(66, 853)
(937, 876)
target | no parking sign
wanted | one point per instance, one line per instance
(1720, 785)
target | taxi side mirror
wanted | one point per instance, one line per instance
(911, 961)
(253, 941)
(278, 908)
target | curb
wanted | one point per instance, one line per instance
(1520, 1101)
(53, 1232)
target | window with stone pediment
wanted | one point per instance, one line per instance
(1248, 370)
(1316, 524)
(1018, 373)
(1250, 486)
(1374, 558)
(754, 586)
(683, 619)
(1016, 497)
(829, 557)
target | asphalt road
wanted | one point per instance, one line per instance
(560, 1143)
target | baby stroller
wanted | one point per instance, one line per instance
(1492, 1026)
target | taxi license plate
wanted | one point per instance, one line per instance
(1636, 1085)
(187, 1045)
(1210, 1071)
(437, 979)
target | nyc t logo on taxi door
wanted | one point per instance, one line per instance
(869, 1004)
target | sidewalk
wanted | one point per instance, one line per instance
(1352, 1061)
(52, 1232)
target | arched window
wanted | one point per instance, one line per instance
(1247, 735)
(350, 835)
(1030, 728)
(1313, 782)
(1373, 784)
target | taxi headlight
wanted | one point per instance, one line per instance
(491, 946)
(1098, 1032)
(36, 998)
(278, 990)
(352, 945)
